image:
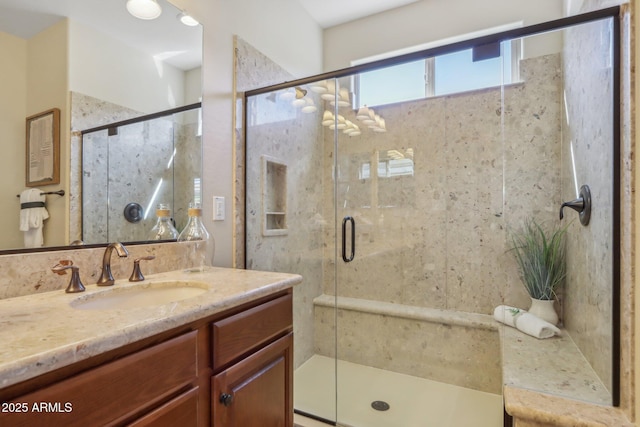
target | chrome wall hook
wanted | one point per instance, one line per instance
(582, 205)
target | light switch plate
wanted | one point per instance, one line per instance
(218, 208)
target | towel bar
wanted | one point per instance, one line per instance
(59, 193)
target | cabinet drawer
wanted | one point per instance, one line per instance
(247, 331)
(115, 391)
(181, 411)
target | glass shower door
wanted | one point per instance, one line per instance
(373, 177)
(418, 199)
(289, 217)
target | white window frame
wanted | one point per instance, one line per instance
(429, 75)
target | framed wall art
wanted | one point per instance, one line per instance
(43, 148)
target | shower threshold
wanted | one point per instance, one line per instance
(412, 401)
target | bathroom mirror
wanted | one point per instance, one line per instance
(86, 74)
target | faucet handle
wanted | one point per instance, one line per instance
(582, 205)
(136, 274)
(75, 284)
(61, 267)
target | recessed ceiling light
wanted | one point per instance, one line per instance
(187, 19)
(144, 9)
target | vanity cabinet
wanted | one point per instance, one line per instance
(230, 369)
(256, 392)
(253, 378)
(113, 392)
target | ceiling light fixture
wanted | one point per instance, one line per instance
(287, 95)
(319, 87)
(144, 9)
(310, 106)
(327, 118)
(363, 113)
(187, 19)
(330, 93)
(300, 94)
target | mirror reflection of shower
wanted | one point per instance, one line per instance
(146, 161)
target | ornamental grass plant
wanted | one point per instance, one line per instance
(540, 255)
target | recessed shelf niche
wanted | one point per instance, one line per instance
(274, 197)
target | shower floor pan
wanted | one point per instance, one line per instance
(412, 401)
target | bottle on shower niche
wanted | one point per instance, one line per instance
(164, 229)
(199, 244)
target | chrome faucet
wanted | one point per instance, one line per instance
(106, 279)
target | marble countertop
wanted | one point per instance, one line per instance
(542, 409)
(549, 382)
(554, 366)
(43, 332)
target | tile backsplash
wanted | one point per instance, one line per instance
(25, 274)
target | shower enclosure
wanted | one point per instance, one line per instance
(129, 167)
(395, 200)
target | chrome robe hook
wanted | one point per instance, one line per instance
(582, 205)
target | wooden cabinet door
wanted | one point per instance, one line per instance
(257, 391)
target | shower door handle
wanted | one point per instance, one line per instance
(345, 220)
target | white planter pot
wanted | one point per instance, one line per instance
(544, 309)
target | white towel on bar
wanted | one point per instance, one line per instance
(525, 322)
(32, 219)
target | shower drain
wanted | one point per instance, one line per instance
(379, 405)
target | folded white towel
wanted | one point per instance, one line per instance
(535, 326)
(525, 322)
(31, 219)
(507, 315)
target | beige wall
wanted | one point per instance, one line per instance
(427, 21)
(13, 86)
(120, 74)
(47, 87)
(32, 83)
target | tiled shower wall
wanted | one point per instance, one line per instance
(587, 147)
(293, 140)
(439, 238)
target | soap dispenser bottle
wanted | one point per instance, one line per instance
(164, 229)
(199, 244)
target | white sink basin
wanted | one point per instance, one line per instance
(142, 295)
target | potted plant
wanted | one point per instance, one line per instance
(540, 255)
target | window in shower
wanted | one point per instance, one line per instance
(390, 163)
(409, 83)
(454, 72)
(460, 72)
